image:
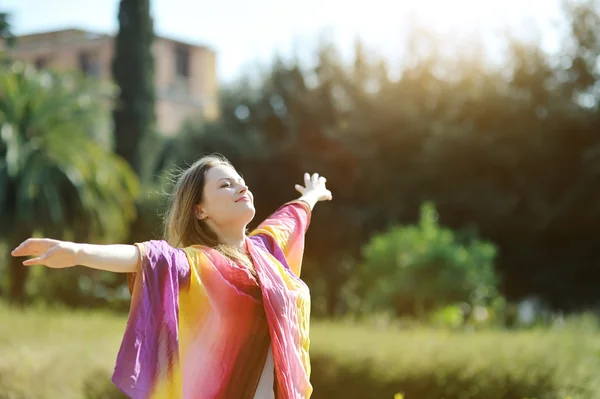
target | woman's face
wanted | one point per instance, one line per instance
(226, 202)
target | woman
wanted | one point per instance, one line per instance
(214, 313)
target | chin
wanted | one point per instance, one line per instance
(248, 215)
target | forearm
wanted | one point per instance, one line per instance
(118, 258)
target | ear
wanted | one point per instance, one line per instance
(199, 212)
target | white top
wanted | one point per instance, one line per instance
(265, 384)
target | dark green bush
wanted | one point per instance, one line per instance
(416, 269)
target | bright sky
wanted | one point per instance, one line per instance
(245, 32)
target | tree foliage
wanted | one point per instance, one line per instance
(509, 150)
(6, 31)
(56, 179)
(133, 72)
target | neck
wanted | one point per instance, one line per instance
(234, 236)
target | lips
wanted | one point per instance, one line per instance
(244, 198)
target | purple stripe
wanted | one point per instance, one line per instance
(153, 321)
(268, 244)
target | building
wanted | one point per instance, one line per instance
(186, 75)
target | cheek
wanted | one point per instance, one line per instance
(224, 197)
(213, 201)
(220, 201)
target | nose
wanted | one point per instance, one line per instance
(243, 188)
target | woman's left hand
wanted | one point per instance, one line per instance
(314, 188)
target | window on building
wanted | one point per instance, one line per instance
(89, 64)
(41, 62)
(182, 61)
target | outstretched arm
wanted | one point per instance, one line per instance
(287, 226)
(118, 258)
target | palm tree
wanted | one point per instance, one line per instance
(56, 178)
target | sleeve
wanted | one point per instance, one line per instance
(285, 229)
(150, 345)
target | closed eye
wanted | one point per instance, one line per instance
(227, 182)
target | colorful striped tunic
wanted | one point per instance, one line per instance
(201, 326)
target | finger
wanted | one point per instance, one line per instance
(25, 247)
(315, 177)
(306, 179)
(299, 188)
(33, 246)
(322, 179)
(18, 248)
(34, 261)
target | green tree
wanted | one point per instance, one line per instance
(55, 178)
(419, 268)
(7, 38)
(6, 32)
(133, 72)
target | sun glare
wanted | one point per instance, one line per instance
(459, 23)
(443, 16)
(478, 15)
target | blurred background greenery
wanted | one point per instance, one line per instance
(458, 259)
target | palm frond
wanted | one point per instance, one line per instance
(65, 180)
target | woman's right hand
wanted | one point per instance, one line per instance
(48, 252)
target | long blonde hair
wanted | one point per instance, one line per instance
(181, 227)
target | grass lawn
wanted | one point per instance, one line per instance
(54, 354)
